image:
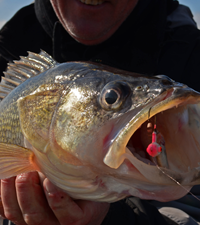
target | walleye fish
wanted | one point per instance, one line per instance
(85, 126)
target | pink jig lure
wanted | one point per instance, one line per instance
(154, 149)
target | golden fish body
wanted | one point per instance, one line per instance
(84, 125)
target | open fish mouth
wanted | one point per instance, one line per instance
(172, 110)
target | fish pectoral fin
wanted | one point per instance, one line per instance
(15, 160)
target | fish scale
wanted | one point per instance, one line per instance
(10, 131)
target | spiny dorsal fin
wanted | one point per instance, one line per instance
(22, 69)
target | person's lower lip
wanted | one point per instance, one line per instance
(92, 2)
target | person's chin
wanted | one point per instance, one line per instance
(90, 35)
(88, 39)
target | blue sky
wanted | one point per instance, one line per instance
(9, 7)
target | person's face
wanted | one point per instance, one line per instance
(94, 22)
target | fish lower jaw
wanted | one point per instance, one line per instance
(92, 2)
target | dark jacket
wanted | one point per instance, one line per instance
(148, 42)
(159, 37)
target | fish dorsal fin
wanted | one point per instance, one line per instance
(23, 69)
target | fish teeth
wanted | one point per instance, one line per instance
(149, 125)
(92, 2)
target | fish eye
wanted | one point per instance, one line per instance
(111, 96)
(114, 94)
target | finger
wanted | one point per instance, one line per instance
(1, 204)
(63, 206)
(9, 199)
(32, 200)
(95, 212)
(2, 210)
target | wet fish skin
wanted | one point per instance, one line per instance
(73, 121)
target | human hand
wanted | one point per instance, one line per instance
(26, 201)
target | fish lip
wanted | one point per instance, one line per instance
(170, 98)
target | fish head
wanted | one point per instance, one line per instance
(175, 112)
(96, 107)
(101, 123)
